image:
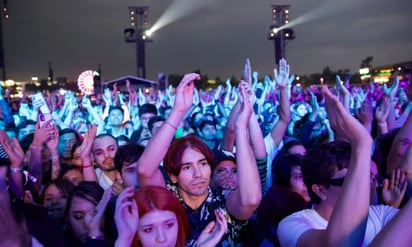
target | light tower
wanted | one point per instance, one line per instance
(4, 14)
(137, 34)
(279, 35)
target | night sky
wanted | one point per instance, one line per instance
(216, 37)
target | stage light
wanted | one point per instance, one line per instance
(148, 33)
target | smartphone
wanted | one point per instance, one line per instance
(43, 118)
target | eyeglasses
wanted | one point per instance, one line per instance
(335, 181)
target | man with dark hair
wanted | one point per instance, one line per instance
(146, 112)
(125, 162)
(155, 123)
(67, 138)
(208, 133)
(114, 124)
(103, 151)
(337, 175)
(25, 128)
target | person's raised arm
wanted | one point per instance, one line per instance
(52, 144)
(155, 151)
(96, 116)
(16, 156)
(86, 154)
(72, 106)
(126, 217)
(365, 114)
(41, 136)
(345, 93)
(244, 200)
(346, 226)
(228, 140)
(7, 114)
(381, 116)
(282, 80)
(390, 93)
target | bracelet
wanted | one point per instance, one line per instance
(382, 124)
(14, 169)
(87, 166)
(55, 157)
(171, 125)
(36, 147)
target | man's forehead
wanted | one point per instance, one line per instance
(148, 114)
(116, 111)
(127, 165)
(67, 136)
(103, 142)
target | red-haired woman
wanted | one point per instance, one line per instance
(156, 218)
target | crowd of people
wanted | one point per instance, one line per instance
(262, 163)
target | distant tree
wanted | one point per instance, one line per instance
(366, 63)
(328, 75)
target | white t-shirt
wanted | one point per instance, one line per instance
(103, 180)
(293, 226)
(271, 150)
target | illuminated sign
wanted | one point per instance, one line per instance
(385, 72)
(364, 71)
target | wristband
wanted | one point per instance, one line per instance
(36, 147)
(166, 122)
(14, 169)
(87, 166)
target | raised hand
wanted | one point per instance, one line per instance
(391, 92)
(394, 189)
(42, 134)
(218, 92)
(93, 218)
(133, 99)
(346, 126)
(196, 99)
(247, 72)
(13, 149)
(86, 103)
(121, 98)
(185, 91)
(382, 111)
(281, 78)
(249, 91)
(314, 105)
(87, 144)
(343, 91)
(126, 216)
(107, 96)
(53, 141)
(141, 97)
(255, 76)
(246, 107)
(128, 85)
(214, 231)
(228, 85)
(365, 112)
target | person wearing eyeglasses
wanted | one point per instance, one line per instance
(337, 176)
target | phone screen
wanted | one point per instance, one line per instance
(43, 118)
